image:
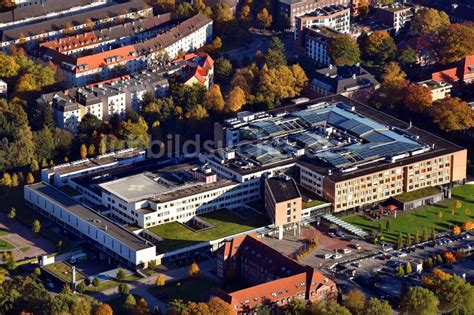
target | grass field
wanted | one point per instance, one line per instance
(425, 217)
(225, 223)
(186, 290)
(63, 271)
(105, 285)
(4, 245)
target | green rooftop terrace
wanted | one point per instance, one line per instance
(226, 223)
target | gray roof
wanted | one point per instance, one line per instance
(345, 78)
(91, 216)
(76, 19)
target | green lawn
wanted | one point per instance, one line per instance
(4, 245)
(25, 249)
(186, 290)
(417, 194)
(3, 232)
(64, 271)
(104, 285)
(117, 305)
(225, 223)
(425, 217)
(315, 199)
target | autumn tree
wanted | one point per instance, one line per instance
(235, 100)
(407, 57)
(129, 303)
(456, 41)
(264, 18)
(379, 47)
(103, 309)
(160, 280)
(394, 82)
(8, 66)
(468, 226)
(36, 226)
(343, 50)
(91, 150)
(419, 301)
(12, 213)
(355, 302)
(376, 306)
(83, 151)
(194, 270)
(198, 112)
(89, 24)
(7, 180)
(30, 179)
(141, 308)
(449, 257)
(429, 21)
(213, 100)
(451, 114)
(245, 14)
(456, 230)
(417, 98)
(218, 306)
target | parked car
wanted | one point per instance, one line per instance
(327, 256)
(336, 256)
(340, 233)
(345, 251)
(356, 246)
(331, 234)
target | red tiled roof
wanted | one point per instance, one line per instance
(448, 75)
(270, 291)
(71, 42)
(97, 60)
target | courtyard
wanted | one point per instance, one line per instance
(427, 217)
(176, 235)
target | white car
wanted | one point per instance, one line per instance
(401, 255)
(327, 256)
(345, 251)
(336, 256)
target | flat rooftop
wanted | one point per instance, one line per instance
(334, 135)
(100, 160)
(90, 216)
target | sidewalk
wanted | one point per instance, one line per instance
(141, 286)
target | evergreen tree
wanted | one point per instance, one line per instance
(91, 150)
(12, 213)
(400, 241)
(34, 166)
(36, 226)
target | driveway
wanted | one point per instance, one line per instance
(27, 244)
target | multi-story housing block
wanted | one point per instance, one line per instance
(295, 8)
(87, 66)
(48, 30)
(439, 90)
(395, 16)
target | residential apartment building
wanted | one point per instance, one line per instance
(105, 99)
(28, 12)
(55, 28)
(197, 69)
(314, 43)
(439, 90)
(295, 8)
(336, 17)
(87, 67)
(351, 81)
(270, 277)
(395, 16)
(283, 203)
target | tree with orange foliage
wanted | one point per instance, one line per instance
(218, 306)
(456, 230)
(103, 309)
(468, 225)
(449, 257)
(435, 279)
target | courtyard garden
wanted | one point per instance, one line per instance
(176, 235)
(191, 289)
(440, 217)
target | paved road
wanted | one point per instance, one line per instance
(141, 286)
